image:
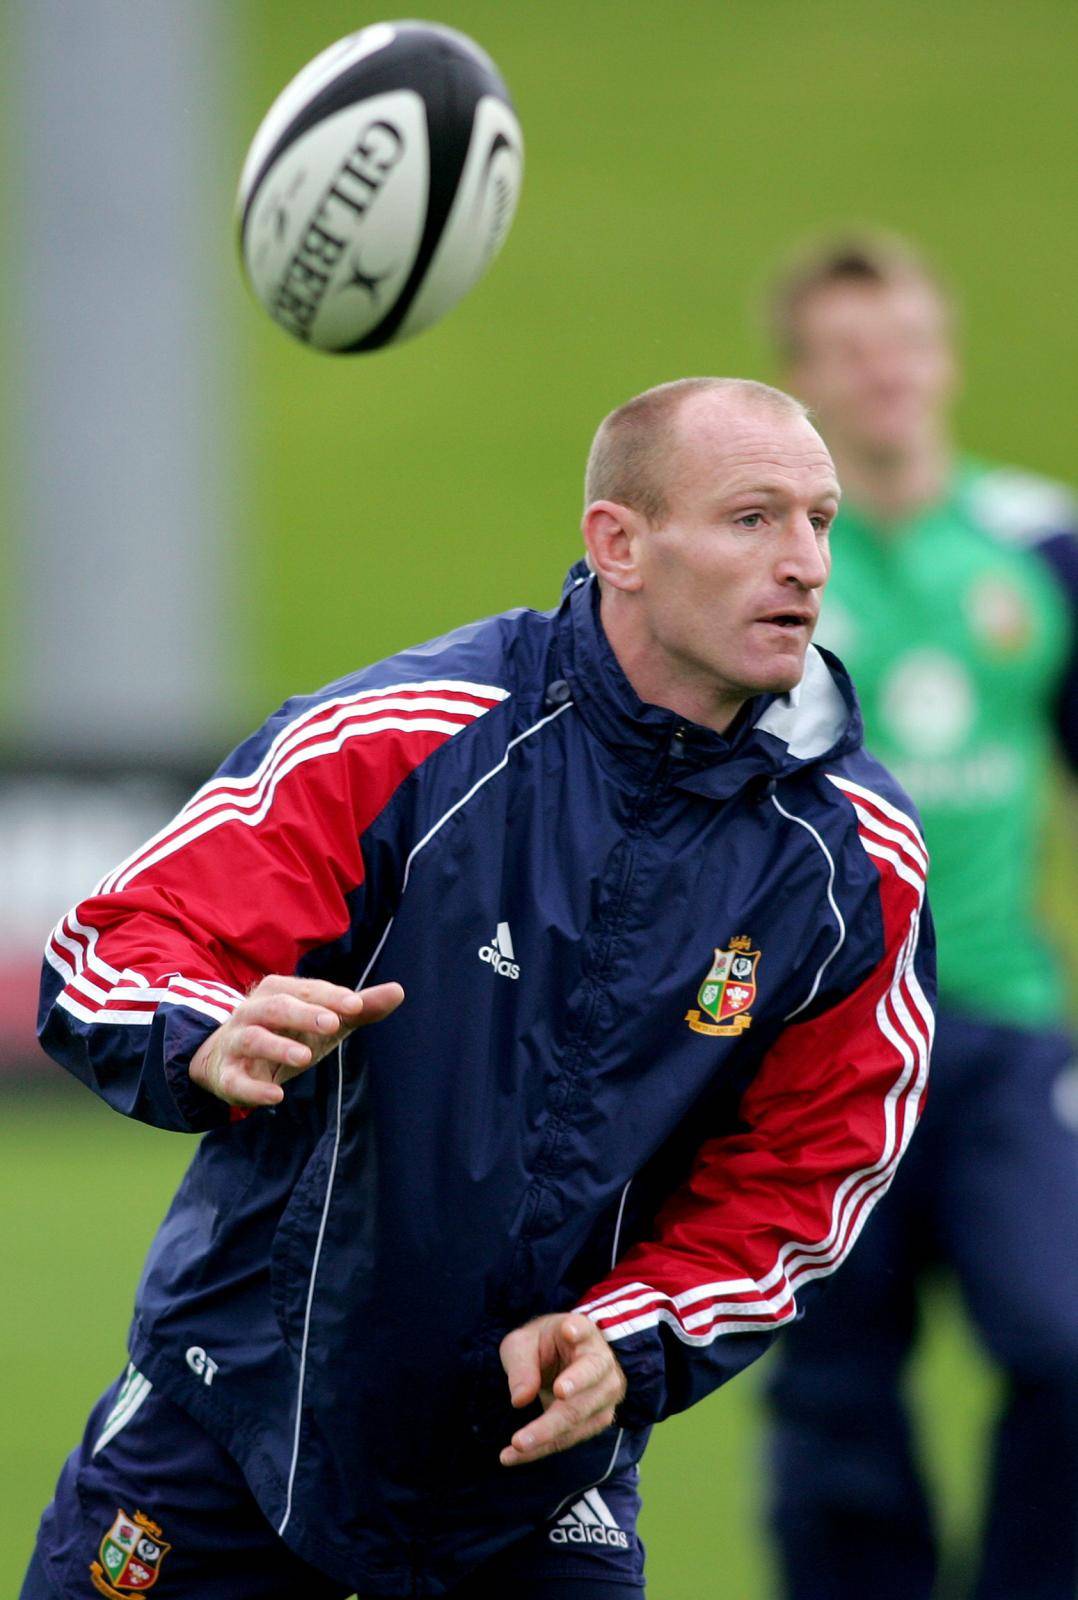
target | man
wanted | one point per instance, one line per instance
(443, 1258)
(954, 606)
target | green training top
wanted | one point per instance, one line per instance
(956, 636)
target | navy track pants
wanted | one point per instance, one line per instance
(149, 1501)
(989, 1187)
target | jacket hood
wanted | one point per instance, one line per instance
(772, 737)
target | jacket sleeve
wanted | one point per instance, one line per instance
(262, 867)
(766, 1212)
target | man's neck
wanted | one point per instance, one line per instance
(657, 681)
(895, 486)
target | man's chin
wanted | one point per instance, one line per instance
(782, 674)
(782, 683)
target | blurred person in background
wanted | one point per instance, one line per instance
(953, 602)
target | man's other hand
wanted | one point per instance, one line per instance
(283, 1027)
(563, 1360)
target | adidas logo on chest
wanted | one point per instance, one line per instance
(499, 953)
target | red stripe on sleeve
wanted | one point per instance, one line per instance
(254, 872)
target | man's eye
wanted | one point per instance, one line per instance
(750, 519)
(821, 524)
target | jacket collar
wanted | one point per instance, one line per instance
(772, 736)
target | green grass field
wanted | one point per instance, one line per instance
(81, 1192)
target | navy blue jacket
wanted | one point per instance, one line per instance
(665, 1038)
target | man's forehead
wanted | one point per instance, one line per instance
(899, 300)
(754, 446)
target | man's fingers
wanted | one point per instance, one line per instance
(315, 991)
(519, 1354)
(322, 1008)
(378, 1002)
(238, 1085)
(587, 1363)
(565, 1360)
(590, 1369)
(287, 1013)
(283, 1027)
(252, 1043)
(579, 1401)
(559, 1428)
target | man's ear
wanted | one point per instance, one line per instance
(611, 534)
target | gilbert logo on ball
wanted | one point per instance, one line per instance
(380, 186)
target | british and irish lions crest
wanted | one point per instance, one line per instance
(728, 990)
(130, 1554)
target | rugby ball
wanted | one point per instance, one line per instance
(379, 187)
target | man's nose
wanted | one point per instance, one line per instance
(803, 559)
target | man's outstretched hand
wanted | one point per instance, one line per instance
(283, 1027)
(563, 1360)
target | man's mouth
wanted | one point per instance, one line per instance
(791, 619)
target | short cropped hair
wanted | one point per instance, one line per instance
(878, 260)
(629, 460)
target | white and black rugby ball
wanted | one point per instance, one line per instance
(380, 186)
